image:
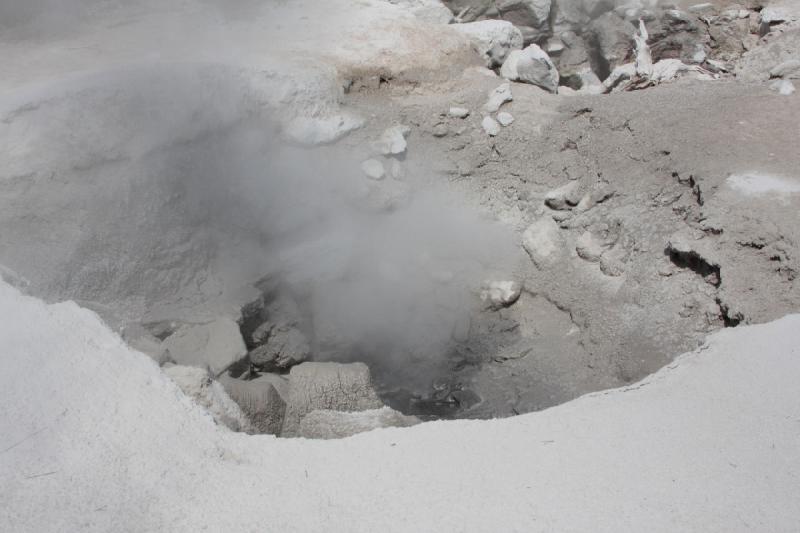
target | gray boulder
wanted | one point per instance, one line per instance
(215, 345)
(283, 346)
(328, 386)
(531, 65)
(260, 399)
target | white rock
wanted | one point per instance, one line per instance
(505, 119)
(783, 87)
(313, 131)
(493, 39)
(531, 65)
(392, 141)
(499, 96)
(328, 424)
(458, 112)
(490, 126)
(500, 293)
(198, 385)
(214, 346)
(771, 15)
(542, 241)
(373, 169)
(334, 386)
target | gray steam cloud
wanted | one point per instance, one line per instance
(158, 186)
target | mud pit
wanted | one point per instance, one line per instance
(175, 201)
(296, 247)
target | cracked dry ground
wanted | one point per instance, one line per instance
(654, 247)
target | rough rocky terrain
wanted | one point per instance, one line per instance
(489, 242)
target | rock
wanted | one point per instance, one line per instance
(783, 87)
(531, 65)
(565, 197)
(313, 131)
(373, 169)
(327, 424)
(260, 399)
(499, 294)
(215, 346)
(787, 69)
(588, 247)
(542, 242)
(758, 63)
(285, 346)
(209, 394)
(774, 15)
(505, 119)
(612, 39)
(392, 141)
(499, 96)
(530, 16)
(490, 126)
(458, 112)
(330, 386)
(492, 39)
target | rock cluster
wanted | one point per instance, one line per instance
(581, 43)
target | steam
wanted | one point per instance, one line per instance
(156, 182)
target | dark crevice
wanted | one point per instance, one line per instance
(729, 319)
(694, 262)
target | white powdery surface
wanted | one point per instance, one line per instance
(759, 184)
(93, 437)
